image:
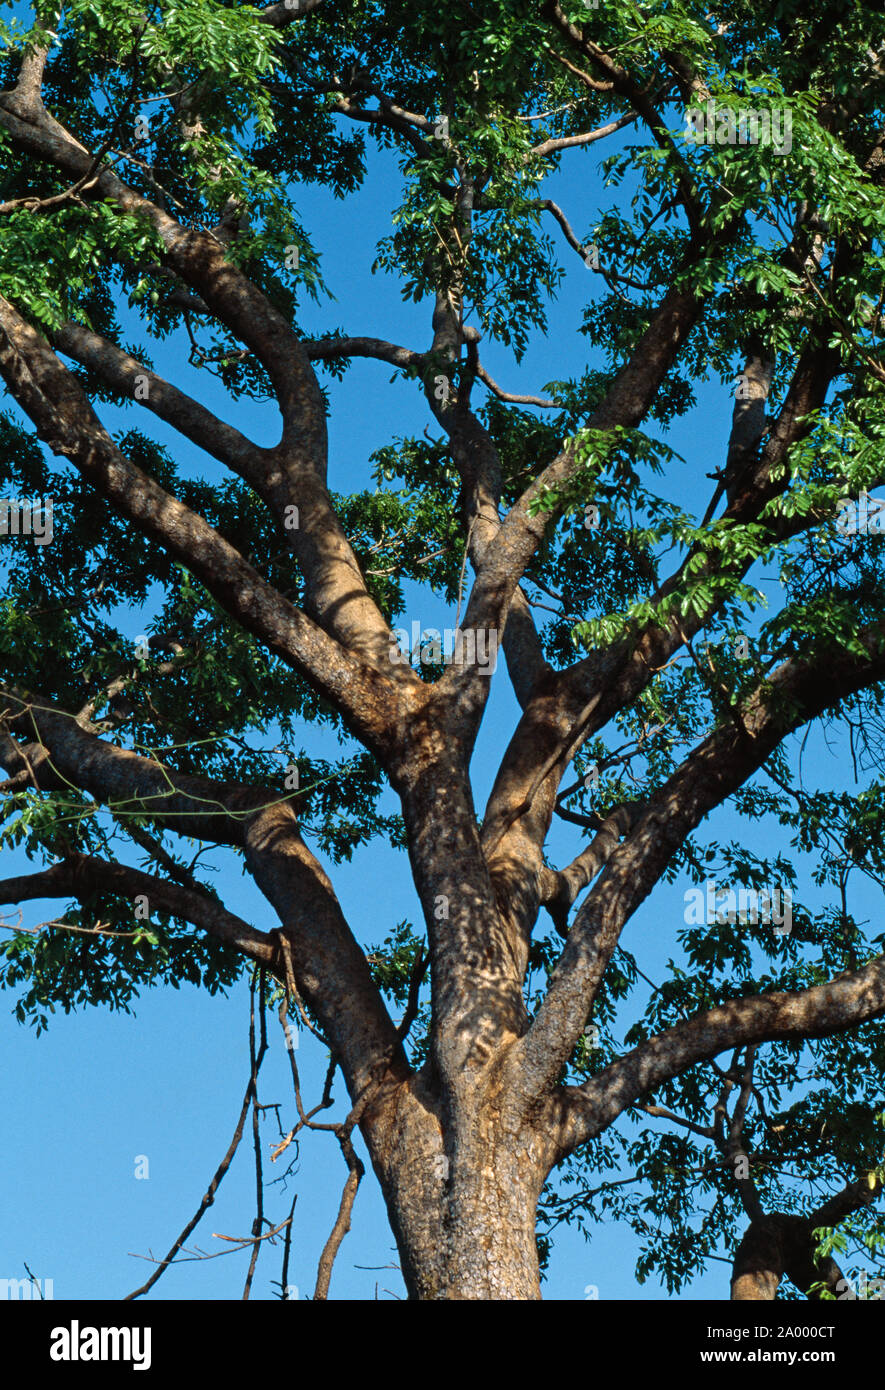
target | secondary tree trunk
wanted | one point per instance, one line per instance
(776, 1246)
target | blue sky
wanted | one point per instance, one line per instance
(83, 1102)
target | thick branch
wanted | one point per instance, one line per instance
(779, 1245)
(793, 694)
(582, 699)
(64, 753)
(81, 875)
(332, 349)
(65, 421)
(331, 969)
(336, 589)
(559, 889)
(285, 12)
(589, 137)
(629, 398)
(125, 374)
(199, 258)
(855, 1196)
(850, 999)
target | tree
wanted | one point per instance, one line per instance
(150, 158)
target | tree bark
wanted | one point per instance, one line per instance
(779, 1245)
(483, 1247)
(461, 1180)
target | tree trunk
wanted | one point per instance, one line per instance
(463, 1209)
(489, 1226)
(484, 1248)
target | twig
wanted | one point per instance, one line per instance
(342, 1223)
(510, 397)
(239, 1241)
(419, 970)
(209, 1195)
(256, 1060)
(287, 1246)
(305, 1119)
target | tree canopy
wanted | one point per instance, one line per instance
(674, 646)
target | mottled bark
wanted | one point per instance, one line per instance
(462, 1179)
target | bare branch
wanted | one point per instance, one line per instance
(589, 137)
(625, 86)
(509, 397)
(256, 1058)
(82, 875)
(209, 1194)
(331, 349)
(342, 1222)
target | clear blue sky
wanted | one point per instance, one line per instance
(82, 1102)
